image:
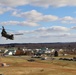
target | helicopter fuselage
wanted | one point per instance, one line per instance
(8, 36)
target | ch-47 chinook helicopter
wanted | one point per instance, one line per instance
(8, 36)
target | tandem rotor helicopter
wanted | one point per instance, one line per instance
(8, 36)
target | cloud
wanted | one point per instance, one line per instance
(32, 15)
(56, 35)
(68, 20)
(13, 3)
(59, 28)
(74, 28)
(53, 29)
(35, 16)
(24, 23)
(40, 3)
(47, 31)
(48, 3)
(5, 9)
(46, 34)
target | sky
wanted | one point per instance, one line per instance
(40, 21)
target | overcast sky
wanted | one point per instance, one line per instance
(41, 21)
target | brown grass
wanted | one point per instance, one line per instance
(20, 66)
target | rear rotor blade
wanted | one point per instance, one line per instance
(19, 34)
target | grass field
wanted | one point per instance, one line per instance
(20, 66)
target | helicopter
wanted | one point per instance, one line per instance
(6, 35)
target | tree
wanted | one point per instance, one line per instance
(55, 53)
